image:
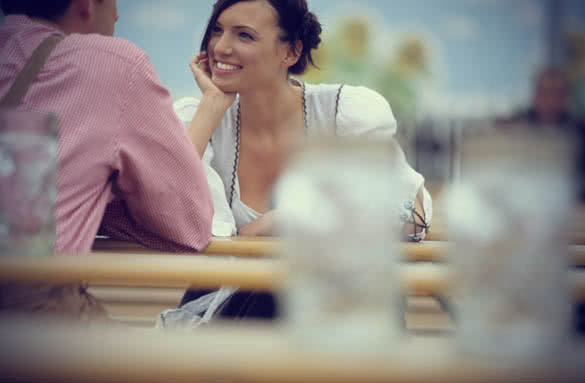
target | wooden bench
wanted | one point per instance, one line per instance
(136, 287)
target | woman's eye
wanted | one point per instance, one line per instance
(246, 36)
(216, 30)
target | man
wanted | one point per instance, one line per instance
(124, 159)
(550, 99)
(119, 138)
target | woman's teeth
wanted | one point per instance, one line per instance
(223, 66)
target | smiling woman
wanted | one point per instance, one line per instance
(253, 113)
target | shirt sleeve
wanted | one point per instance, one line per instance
(364, 112)
(163, 200)
(224, 224)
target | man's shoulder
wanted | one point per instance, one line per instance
(105, 46)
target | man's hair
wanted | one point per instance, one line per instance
(43, 9)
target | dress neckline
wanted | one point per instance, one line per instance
(237, 140)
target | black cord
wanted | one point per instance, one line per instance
(236, 157)
(413, 215)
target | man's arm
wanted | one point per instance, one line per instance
(160, 175)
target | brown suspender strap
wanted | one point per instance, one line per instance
(29, 73)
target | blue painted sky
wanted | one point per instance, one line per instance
(484, 53)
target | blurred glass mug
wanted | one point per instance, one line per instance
(28, 166)
(508, 222)
(340, 221)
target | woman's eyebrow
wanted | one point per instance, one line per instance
(245, 27)
(238, 27)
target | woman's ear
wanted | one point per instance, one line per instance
(293, 53)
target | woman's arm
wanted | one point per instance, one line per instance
(214, 103)
(208, 116)
(263, 226)
(364, 112)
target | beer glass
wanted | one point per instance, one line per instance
(508, 222)
(28, 165)
(339, 213)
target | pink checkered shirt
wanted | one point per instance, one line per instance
(124, 160)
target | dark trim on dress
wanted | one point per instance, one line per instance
(237, 144)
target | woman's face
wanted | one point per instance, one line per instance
(245, 51)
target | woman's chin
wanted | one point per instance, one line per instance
(225, 86)
(228, 89)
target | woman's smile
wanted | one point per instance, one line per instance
(221, 68)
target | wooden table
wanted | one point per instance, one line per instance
(439, 224)
(426, 251)
(439, 232)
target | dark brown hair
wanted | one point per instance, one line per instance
(43, 9)
(295, 20)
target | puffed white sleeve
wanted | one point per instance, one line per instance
(223, 224)
(364, 112)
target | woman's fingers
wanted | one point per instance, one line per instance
(200, 63)
(202, 58)
(202, 72)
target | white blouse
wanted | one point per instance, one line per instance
(334, 110)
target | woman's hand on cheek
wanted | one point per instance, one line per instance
(202, 74)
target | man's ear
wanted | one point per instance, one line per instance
(293, 53)
(83, 9)
(78, 17)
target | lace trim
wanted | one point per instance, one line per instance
(416, 236)
(337, 100)
(236, 156)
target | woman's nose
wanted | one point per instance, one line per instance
(223, 45)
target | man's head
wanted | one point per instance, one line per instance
(551, 95)
(72, 16)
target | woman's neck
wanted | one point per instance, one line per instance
(265, 110)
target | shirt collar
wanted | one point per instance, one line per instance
(23, 20)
